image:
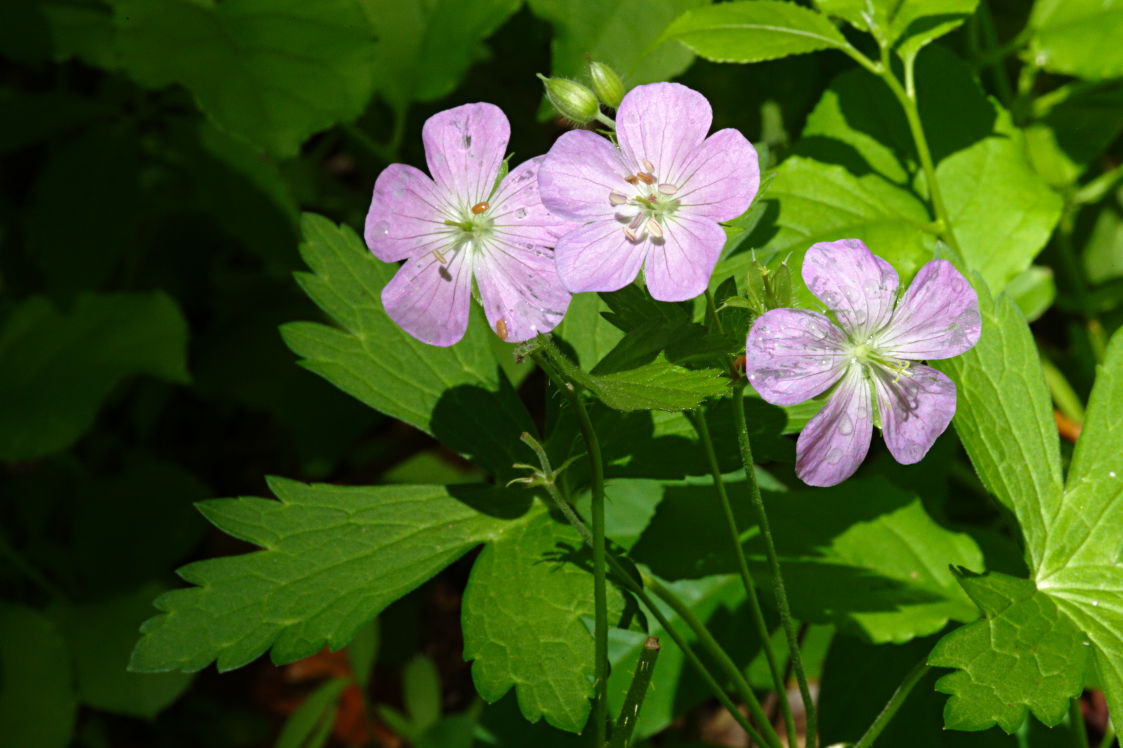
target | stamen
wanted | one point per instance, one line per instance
(654, 229)
(631, 179)
(648, 165)
(646, 178)
(636, 221)
(667, 188)
(617, 198)
(440, 257)
(479, 208)
(631, 234)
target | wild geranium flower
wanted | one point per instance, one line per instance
(653, 202)
(868, 352)
(460, 224)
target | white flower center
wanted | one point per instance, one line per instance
(865, 353)
(645, 213)
(470, 228)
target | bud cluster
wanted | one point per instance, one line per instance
(577, 102)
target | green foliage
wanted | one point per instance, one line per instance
(1078, 37)
(754, 30)
(332, 558)
(457, 394)
(310, 725)
(57, 368)
(908, 26)
(659, 385)
(37, 704)
(526, 618)
(270, 72)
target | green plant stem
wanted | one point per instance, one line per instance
(996, 54)
(1098, 187)
(882, 720)
(1064, 397)
(1076, 722)
(703, 429)
(773, 563)
(1070, 266)
(711, 308)
(1109, 736)
(605, 120)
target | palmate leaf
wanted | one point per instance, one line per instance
(457, 394)
(908, 25)
(659, 385)
(1078, 37)
(1029, 650)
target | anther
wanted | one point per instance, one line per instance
(440, 257)
(631, 179)
(648, 165)
(646, 178)
(655, 229)
(617, 198)
(479, 208)
(636, 221)
(667, 188)
(631, 234)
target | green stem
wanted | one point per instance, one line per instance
(1075, 276)
(637, 692)
(895, 701)
(1064, 397)
(996, 55)
(1076, 722)
(605, 120)
(1098, 187)
(1109, 736)
(711, 309)
(778, 679)
(773, 563)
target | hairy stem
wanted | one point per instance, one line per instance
(778, 680)
(918, 671)
(773, 563)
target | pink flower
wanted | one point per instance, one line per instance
(653, 202)
(869, 350)
(459, 225)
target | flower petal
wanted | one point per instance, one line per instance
(792, 355)
(581, 169)
(679, 265)
(464, 147)
(429, 299)
(938, 317)
(520, 287)
(518, 212)
(854, 283)
(598, 257)
(915, 409)
(662, 123)
(406, 215)
(720, 179)
(833, 444)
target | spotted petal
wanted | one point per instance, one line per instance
(792, 355)
(429, 299)
(858, 286)
(833, 444)
(521, 292)
(938, 316)
(679, 265)
(518, 212)
(599, 257)
(915, 408)
(662, 123)
(464, 147)
(407, 214)
(720, 179)
(579, 173)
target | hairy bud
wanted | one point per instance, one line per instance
(607, 84)
(573, 101)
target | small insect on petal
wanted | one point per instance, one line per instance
(479, 208)
(646, 178)
(617, 198)
(655, 229)
(501, 329)
(668, 189)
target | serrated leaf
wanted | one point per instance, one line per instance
(56, 368)
(1078, 37)
(754, 30)
(332, 558)
(906, 24)
(524, 620)
(659, 385)
(457, 394)
(37, 703)
(269, 71)
(425, 48)
(621, 34)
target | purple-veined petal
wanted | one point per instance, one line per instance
(833, 444)
(464, 147)
(915, 409)
(407, 214)
(578, 174)
(599, 257)
(679, 265)
(430, 299)
(518, 212)
(792, 355)
(938, 317)
(519, 285)
(854, 283)
(720, 179)
(661, 123)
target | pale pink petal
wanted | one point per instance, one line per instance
(580, 171)
(852, 282)
(464, 147)
(938, 317)
(518, 212)
(662, 124)
(792, 355)
(598, 257)
(521, 292)
(720, 179)
(679, 265)
(407, 214)
(833, 444)
(429, 299)
(915, 408)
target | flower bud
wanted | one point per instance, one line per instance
(607, 84)
(573, 101)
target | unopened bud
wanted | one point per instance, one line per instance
(607, 84)
(573, 101)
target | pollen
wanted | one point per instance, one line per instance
(633, 179)
(479, 208)
(617, 198)
(646, 178)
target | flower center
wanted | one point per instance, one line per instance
(645, 213)
(470, 228)
(867, 355)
